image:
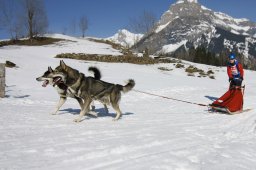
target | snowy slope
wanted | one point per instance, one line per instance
(154, 133)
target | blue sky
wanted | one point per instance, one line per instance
(107, 16)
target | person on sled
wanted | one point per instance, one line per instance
(235, 72)
(232, 101)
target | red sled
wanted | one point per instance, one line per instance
(231, 102)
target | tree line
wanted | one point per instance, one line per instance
(203, 55)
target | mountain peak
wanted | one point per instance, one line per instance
(125, 38)
(191, 1)
(188, 24)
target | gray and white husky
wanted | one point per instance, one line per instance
(89, 88)
(63, 90)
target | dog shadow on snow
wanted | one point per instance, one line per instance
(101, 113)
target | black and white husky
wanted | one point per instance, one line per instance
(89, 88)
(63, 90)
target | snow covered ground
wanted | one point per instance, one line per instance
(154, 133)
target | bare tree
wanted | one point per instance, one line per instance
(35, 17)
(83, 24)
(73, 26)
(10, 20)
(18, 28)
(3, 11)
(23, 17)
(7, 18)
(64, 30)
(143, 23)
(2, 6)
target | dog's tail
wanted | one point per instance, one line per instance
(96, 72)
(128, 86)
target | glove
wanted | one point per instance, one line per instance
(230, 79)
(242, 78)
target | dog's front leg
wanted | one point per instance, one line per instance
(61, 102)
(106, 108)
(80, 101)
(118, 112)
(84, 110)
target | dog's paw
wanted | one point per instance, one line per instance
(117, 117)
(93, 113)
(77, 120)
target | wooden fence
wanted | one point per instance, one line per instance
(2, 80)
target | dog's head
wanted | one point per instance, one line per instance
(49, 78)
(45, 77)
(64, 74)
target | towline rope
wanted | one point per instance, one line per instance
(170, 98)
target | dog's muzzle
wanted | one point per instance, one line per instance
(57, 80)
(45, 83)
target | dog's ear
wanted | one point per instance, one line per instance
(62, 64)
(50, 69)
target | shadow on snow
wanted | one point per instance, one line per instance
(101, 112)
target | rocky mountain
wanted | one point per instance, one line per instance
(125, 38)
(187, 23)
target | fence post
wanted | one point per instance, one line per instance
(2, 80)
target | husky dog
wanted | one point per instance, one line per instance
(63, 90)
(89, 89)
